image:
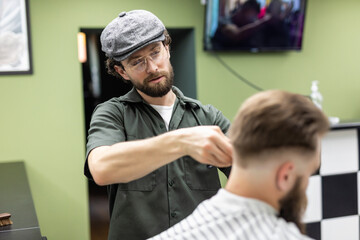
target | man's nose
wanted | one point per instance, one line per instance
(151, 66)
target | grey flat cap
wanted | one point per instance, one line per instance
(129, 32)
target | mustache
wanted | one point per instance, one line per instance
(154, 75)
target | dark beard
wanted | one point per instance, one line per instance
(160, 89)
(293, 206)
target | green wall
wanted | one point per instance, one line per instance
(331, 55)
(42, 120)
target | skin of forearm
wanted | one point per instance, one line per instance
(127, 161)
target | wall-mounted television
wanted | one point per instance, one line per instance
(254, 25)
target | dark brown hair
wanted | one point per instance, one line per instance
(110, 63)
(273, 120)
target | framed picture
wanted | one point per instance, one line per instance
(15, 45)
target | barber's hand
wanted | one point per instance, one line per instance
(207, 145)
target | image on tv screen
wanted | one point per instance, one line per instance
(254, 25)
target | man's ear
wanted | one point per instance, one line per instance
(285, 176)
(122, 72)
(167, 47)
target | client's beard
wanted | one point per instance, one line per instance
(293, 206)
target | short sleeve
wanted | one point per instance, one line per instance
(106, 128)
(222, 121)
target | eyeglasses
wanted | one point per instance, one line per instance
(140, 64)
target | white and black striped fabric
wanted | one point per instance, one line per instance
(229, 216)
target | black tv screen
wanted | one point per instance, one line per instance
(254, 25)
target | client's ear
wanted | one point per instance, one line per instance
(285, 176)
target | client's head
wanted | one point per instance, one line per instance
(276, 138)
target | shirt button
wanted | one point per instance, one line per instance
(171, 183)
(173, 214)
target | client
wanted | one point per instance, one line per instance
(276, 137)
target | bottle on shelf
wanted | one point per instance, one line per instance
(317, 99)
(315, 95)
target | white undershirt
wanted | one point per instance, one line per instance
(165, 112)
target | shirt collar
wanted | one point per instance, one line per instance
(134, 97)
(236, 202)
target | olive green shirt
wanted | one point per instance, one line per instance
(147, 206)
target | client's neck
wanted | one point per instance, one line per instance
(253, 183)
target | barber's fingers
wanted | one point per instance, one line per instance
(218, 153)
(213, 160)
(224, 145)
(209, 145)
(220, 158)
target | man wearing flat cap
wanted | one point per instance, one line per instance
(156, 150)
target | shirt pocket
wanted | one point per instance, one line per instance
(144, 184)
(200, 176)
